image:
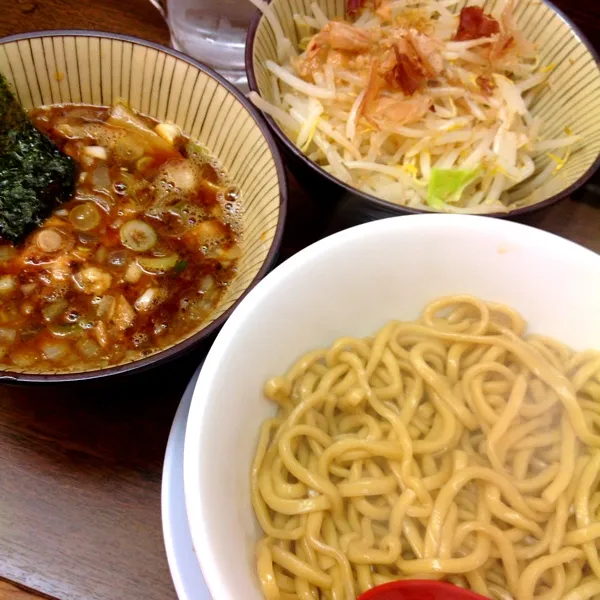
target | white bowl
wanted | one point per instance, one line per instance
(351, 284)
(185, 571)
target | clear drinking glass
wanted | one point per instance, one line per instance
(211, 31)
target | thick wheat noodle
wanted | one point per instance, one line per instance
(455, 447)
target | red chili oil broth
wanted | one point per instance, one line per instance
(135, 262)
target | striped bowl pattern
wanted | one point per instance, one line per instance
(573, 99)
(98, 68)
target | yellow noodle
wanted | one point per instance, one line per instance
(451, 448)
(584, 591)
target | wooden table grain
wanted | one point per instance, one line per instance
(80, 465)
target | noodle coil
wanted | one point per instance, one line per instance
(456, 447)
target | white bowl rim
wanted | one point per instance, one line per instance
(211, 567)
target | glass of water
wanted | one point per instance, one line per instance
(211, 31)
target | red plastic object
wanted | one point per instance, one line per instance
(419, 589)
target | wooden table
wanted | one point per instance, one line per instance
(80, 466)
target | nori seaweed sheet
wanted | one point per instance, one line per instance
(35, 175)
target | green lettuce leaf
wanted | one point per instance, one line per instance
(447, 185)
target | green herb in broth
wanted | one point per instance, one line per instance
(179, 267)
(34, 174)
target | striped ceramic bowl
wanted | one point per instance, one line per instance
(573, 100)
(98, 68)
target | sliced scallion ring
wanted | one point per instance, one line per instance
(85, 216)
(137, 236)
(158, 264)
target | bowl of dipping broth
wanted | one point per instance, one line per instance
(412, 398)
(429, 106)
(150, 200)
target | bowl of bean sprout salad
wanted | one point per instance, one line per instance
(429, 105)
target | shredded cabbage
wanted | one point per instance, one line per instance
(447, 186)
